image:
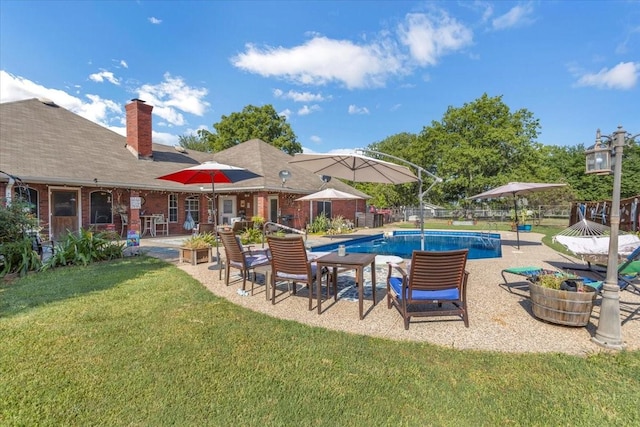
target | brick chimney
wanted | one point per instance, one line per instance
(139, 129)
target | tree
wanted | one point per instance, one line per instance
(252, 122)
(193, 142)
(478, 146)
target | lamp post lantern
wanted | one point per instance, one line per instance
(600, 159)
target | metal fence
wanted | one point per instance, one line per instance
(537, 213)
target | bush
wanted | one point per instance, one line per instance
(83, 248)
(251, 235)
(320, 224)
(18, 257)
(17, 251)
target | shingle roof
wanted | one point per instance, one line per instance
(45, 143)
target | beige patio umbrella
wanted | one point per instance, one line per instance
(330, 194)
(355, 167)
(515, 189)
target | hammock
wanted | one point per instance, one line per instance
(589, 239)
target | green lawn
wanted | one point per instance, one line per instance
(139, 342)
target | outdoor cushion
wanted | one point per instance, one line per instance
(301, 277)
(251, 261)
(444, 294)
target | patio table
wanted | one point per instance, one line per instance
(350, 261)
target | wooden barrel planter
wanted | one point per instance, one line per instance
(562, 307)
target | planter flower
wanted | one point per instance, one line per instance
(197, 248)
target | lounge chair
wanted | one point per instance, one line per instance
(531, 274)
(434, 278)
(628, 272)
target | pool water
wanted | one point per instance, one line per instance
(403, 243)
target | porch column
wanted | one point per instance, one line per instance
(134, 214)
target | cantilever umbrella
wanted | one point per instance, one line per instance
(515, 189)
(355, 167)
(214, 173)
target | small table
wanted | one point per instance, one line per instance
(149, 226)
(351, 261)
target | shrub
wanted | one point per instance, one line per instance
(17, 240)
(83, 248)
(320, 224)
(251, 235)
(18, 257)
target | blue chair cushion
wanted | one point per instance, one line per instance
(440, 295)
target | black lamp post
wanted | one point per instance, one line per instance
(606, 158)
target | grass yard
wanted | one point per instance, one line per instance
(139, 342)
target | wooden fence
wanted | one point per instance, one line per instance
(601, 212)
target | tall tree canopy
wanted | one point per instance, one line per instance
(252, 122)
(476, 146)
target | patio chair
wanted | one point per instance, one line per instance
(435, 278)
(124, 219)
(245, 260)
(628, 271)
(206, 228)
(289, 262)
(162, 223)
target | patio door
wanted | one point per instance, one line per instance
(227, 209)
(64, 213)
(273, 209)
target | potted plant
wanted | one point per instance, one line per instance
(562, 298)
(197, 248)
(523, 217)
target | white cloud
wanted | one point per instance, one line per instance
(286, 113)
(316, 139)
(155, 21)
(165, 138)
(623, 76)
(298, 96)
(167, 97)
(518, 16)
(358, 110)
(104, 75)
(429, 37)
(321, 61)
(306, 110)
(98, 110)
(623, 47)
(395, 107)
(124, 64)
(174, 94)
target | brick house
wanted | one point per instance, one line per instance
(78, 174)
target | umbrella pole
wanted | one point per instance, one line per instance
(515, 211)
(215, 219)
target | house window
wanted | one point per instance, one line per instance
(192, 206)
(173, 208)
(324, 207)
(101, 207)
(29, 196)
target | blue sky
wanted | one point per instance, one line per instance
(345, 73)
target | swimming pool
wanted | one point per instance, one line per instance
(403, 243)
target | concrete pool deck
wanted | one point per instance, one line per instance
(500, 316)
